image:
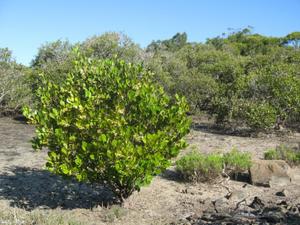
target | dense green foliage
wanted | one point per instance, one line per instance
(198, 167)
(238, 78)
(111, 45)
(291, 156)
(108, 122)
(54, 59)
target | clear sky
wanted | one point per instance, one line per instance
(26, 24)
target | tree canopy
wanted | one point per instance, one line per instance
(234, 77)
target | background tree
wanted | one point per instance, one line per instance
(14, 86)
(237, 77)
(112, 45)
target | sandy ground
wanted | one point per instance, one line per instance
(25, 185)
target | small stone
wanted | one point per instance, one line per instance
(257, 203)
(184, 191)
(294, 210)
(201, 201)
(282, 193)
(282, 203)
(192, 218)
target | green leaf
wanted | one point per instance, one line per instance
(64, 168)
(103, 137)
(84, 145)
(78, 161)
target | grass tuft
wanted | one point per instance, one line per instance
(198, 167)
(284, 152)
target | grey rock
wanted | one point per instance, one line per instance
(270, 173)
(221, 205)
(237, 196)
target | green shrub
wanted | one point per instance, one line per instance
(271, 154)
(197, 167)
(198, 89)
(258, 116)
(236, 161)
(283, 152)
(14, 85)
(107, 122)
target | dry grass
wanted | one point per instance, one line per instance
(37, 217)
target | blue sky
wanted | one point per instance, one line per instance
(26, 24)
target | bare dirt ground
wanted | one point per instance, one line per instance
(31, 195)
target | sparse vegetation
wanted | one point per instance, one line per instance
(284, 152)
(198, 167)
(19, 216)
(113, 213)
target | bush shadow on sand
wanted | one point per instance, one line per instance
(212, 128)
(29, 188)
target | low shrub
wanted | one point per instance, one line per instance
(236, 161)
(198, 167)
(283, 152)
(258, 116)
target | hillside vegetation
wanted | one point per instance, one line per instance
(240, 77)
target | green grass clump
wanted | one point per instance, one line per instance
(198, 167)
(283, 152)
(236, 161)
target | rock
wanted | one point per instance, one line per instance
(192, 218)
(283, 193)
(220, 205)
(282, 203)
(257, 203)
(236, 196)
(270, 173)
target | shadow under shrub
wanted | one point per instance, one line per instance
(108, 123)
